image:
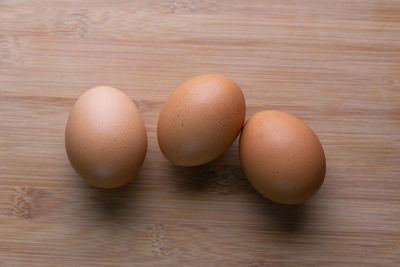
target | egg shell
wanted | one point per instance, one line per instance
(282, 157)
(201, 119)
(105, 137)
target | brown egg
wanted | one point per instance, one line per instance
(105, 137)
(201, 119)
(282, 157)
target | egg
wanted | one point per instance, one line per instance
(200, 120)
(282, 157)
(105, 137)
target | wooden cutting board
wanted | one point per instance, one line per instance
(334, 64)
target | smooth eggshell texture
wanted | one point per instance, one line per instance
(282, 157)
(105, 137)
(201, 119)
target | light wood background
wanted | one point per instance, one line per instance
(334, 64)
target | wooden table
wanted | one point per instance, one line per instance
(334, 64)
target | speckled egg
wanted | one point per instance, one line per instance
(105, 137)
(200, 120)
(282, 157)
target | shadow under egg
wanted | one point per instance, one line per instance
(220, 176)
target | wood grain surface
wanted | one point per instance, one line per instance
(334, 64)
